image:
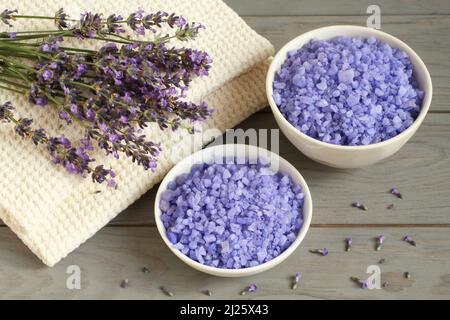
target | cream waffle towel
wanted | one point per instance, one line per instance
(54, 212)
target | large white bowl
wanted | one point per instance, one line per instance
(209, 155)
(348, 156)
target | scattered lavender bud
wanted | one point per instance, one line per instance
(207, 293)
(380, 241)
(363, 284)
(145, 270)
(323, 252)
(396, 193)
(360, 206)
(166, 292)
(407, 275)
(409, 240)
(97, 192)
(390, 207)
(348, 244)
(250, 289)
(125, 284)
(296, 280)
(382, 261)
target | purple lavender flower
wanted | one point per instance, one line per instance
(113, 24)
(37, 97)
(7, 15)
(47, 75)
(23, 127)
(63, 115)
(6, 111)
(134, 21)
(90, 25)
(61, 19)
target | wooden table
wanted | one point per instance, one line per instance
(421, 170)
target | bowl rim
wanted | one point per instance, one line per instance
(281, 56)
(307, 213)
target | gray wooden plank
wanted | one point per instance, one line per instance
(427, 35)
(420, 170)
(115, 254)
(333, 7)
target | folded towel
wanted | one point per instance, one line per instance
(54, 212)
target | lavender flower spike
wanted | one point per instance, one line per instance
(360, 206)
(323, 252)
(297, 278)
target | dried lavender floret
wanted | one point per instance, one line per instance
(232, 215)
(363, 284)
(410, 240)
(323, 252)
(7, 15)
(296, 280)
(348, 243)
(250, 289)
(348, 91)
(380, 241)
(396, 193)
(360, 206)
(74, 159)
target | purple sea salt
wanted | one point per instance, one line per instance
(348, 91)
(232, 215)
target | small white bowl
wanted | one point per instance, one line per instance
(239, 151)
(348, 156)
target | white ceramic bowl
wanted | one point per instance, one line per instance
(209, 155)
(348, 156)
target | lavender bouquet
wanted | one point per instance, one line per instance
(113, 92)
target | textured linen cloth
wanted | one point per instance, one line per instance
(54, 212)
